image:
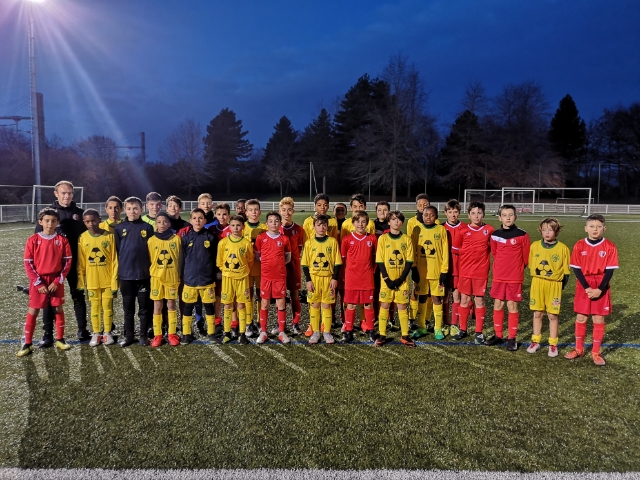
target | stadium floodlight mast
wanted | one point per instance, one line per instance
(35, 121)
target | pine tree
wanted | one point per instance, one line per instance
(281, 157)
(318, 146)
(568, 135)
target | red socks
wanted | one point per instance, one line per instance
(59, 326)
(480, 314)
(282, 320)
(218, 321)
(296, 309)
(369, 318)
(264, 315)
(598, 335)
(498, 321)
(513, 324)
(29, 328)
(463, 312)
(581, 332)
(454, 313)
(349, 317)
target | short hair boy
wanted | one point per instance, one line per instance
(454, 228)
(321, 207)
(474, 269)
(358, 251)
(422, 201)
(98, 273)
(252, 228)
(47, 261)
(241, 208)
(113, 207)
(429, 271)
(235, 259)
(134, 262)
(381, 221)
(273, 251)
(295, 234)
(154, 205)
(593, 260)
(549, 268)
(394, 257)
(205, 202)
(174, 208)
(340, 213)
(510, 249)
(321, 267)
(357, 203)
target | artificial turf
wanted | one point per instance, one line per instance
(439, 405)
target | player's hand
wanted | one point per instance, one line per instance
(53, 287)
(595, 293)
(219, 276)
(43, 290)
(397, 283)
(333, 284)
(114, 293)
(443, 278)
(390, 283)
(310, 287)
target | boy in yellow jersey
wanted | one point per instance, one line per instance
(321, 207)
(394, 257)
(165, 254)
(549, 267)
(357, 203)
(430, 269)
(154, 205)
(98, 269)
(235, 259)
(113, 207)
(321, 267)
(252, 228)
(422, 200)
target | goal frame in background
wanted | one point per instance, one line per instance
(521, 203)
(34, 207)
(539, 189)
(476, 191)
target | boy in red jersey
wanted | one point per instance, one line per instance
(47, 261)
(474, 269)
(358, 251)
(593, 260)
(454, 228)
(510, 249)
(295, 234)
(273, 251)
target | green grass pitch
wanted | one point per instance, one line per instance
(438, 406)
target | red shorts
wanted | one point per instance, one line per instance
(472, 286)
(357, 297)
(511, 292)
(585, 306)
(272, 289)
(41, 300)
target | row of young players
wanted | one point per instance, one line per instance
(431, 273)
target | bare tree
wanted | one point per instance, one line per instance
(183, 149)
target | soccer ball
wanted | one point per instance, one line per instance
(164, 258)
(321, 261)
(396, 258)
(428, 248)
(232, 262)
(544, 269)
(96, 256)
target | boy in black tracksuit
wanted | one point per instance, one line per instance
(133, 270)
(199, 249)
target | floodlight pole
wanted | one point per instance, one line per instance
(599, 165)
(35, 120)
(310, 181)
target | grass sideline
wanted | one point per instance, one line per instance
(341, 407)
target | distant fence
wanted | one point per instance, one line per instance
(26, 212)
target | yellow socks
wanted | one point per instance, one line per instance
(326, 319)
(437, 314)
(107, 312)
(248, 309)
(538, 339)
(422, 315)
(227, 319)
(211, 323)
(552, 341)
(403, 315)
(186, 324)
(413, 309)
(157, 324)
(314, 318)
(173, 321)
(95, 314)
(383, 317)
(242, 320)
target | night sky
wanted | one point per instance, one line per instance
(118, 67)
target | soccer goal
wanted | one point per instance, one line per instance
(42, 196)
(524, 199)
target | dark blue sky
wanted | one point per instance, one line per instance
(118, 67)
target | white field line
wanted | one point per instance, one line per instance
(155, 364)
(75, 363)
(132, 359)
(108, 350)
(223, 356)
(99, 366)
(442, 351)
(336, 354)
(237, 352)
(391, 351)
(315, 474)
(280, 357)
(38, 362)
(310, 349)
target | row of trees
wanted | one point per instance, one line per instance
(380, 136)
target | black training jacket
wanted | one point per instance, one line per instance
(133, 253)
(199, 250)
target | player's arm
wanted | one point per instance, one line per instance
(67, 260)
(526, 248)
(577, 271)
(114, 269)
(250, 256)
(287, 250)
(81, 267)
(29, 266)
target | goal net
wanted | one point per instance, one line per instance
(42, 196)
(524, 199)
(549, 199)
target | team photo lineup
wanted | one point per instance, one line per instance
(218, 273)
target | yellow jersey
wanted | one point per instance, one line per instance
(108, 225)
(310, 231)
(549, 263)
(251, 232)
(431, 248)
(394, 252)
(97, 261)
(235, 257)
(322, 257)
(413, 222)
(165, 259)
(347, 227)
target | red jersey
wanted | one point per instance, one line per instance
(272, 252)
(594, 259)
(510, 250)
(220, 233)
(47, 256)
(474, 251)
(359, 255)
(454, 235)
(295, 234)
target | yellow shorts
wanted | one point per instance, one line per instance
(104, 293)
(160, 291)
(206, 293)
(430, 287)
(322, 293)
(400, 296)
(234, 290)
(545, 295)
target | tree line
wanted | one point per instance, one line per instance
(380, 136)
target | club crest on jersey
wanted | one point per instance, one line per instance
(143, 233)
(57, 243)
(583, 253)
(329, 250)
(279, 243)
(369, 243)
(207, 244)
(124, 232)
(555, 258)
(242, 251)
(602, 253)
(172, 245)
(486, 232)
(512, 241)
(75, 216)
(437, 236)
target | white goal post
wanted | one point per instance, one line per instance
(48, 190)
(534, 190)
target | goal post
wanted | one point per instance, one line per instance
(480, 195)
(47, 198)
(586, 211)
(522, 204)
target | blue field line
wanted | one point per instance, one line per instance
(355, 342)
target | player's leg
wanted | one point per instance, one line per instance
(107, 315)
(187, 318)
(172, 314)
(158, 305)
(79, 302)
(553, 334)
(536, 337)
(145, 308)
(598, 335)
(383, 318)
(498, 317)
(281, 305)
(128, 290)
(580, 333)
(438, 313)
(479, 287)
(265, 301)
(60, 320)
(29, 330)
(423, 296)
(512, 324)
(95, 302)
